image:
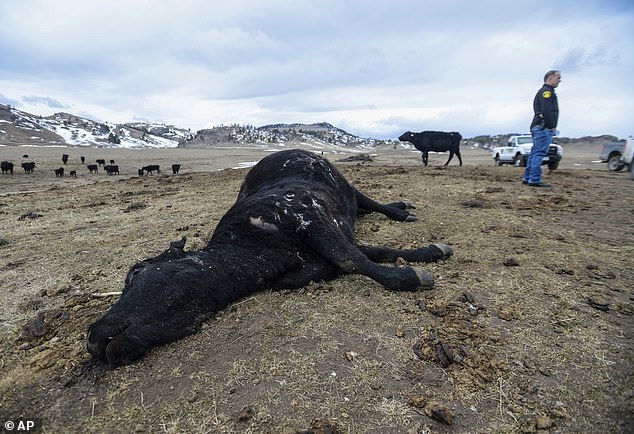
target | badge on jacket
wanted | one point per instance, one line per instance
(547, 94)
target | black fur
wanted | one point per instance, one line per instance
(292, 223)
(436, 141)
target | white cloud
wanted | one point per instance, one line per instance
(375, 69)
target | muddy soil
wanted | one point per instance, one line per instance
(529, 328)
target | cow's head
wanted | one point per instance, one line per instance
(406, 136)
(152, 309)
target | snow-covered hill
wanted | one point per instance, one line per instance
(20, 128)
(320, 136)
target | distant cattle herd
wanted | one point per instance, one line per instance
(110, 169)
(425, 141)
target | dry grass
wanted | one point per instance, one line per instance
(513, 307)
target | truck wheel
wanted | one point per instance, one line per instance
(517, 160)
(614, 163)
(552, 165)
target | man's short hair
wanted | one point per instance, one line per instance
(550, 74)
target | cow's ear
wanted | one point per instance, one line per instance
(178, 245)
(175, 251)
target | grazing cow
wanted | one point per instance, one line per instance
(112, 169)
(83, 159)
(100, 162)
(112, 162)
(176, 168)
(436, 141)
(28, 167)
(292, 223)
(92, 168)
(25, 156)
(73, 174)
(59, 173)
(140, 172)
(6, 167)
(151, 168)
(65, 158)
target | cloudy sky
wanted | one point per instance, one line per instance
(373, 68)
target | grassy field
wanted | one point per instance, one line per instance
(529, 328)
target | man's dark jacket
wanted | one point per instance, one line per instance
(546, 108)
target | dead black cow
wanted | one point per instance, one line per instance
(434, 141)
(292, 223)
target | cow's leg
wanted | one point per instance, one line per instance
(431, 253)
(330, 242)
(401, 204)
(459, 157)
(450, 157)
(312, 271)
(395, 211)
(425, 158)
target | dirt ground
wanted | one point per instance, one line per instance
(529, 328)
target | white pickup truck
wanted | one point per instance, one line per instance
(517, 150)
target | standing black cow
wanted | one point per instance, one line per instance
(65, 158)
(83, 159)
(112, 169)
(59, 173)
(292, 223)
(436, 141)
(6, 167)
(28, 167)
(92, 168)
(151, 168)
(100, 162)
(176, 168)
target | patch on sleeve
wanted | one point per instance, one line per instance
(547, 94)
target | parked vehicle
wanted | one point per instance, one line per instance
(519, 147)
(628, 156)
(612, 153)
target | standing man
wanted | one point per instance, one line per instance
(542, 128)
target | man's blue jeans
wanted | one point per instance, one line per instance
(542, 137)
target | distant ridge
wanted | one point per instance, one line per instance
(319, 135)
(21, 128)
(64, 129)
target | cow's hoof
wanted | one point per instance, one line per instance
(426, 279)
(410, 218)
(445, 249)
